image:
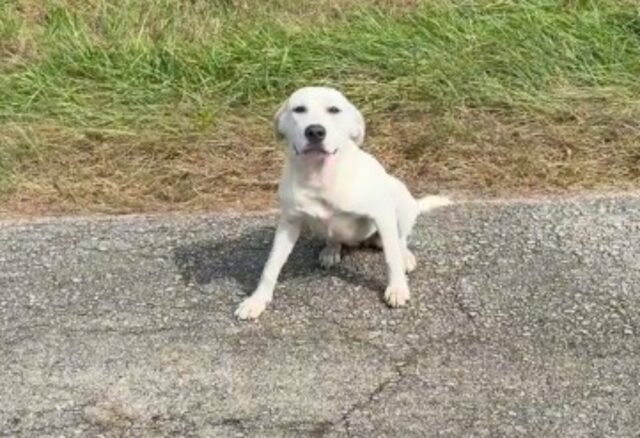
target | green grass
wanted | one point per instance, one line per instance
(169, 70)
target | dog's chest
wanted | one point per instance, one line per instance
(331, 222)
(313, 206)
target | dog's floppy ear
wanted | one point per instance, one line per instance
(357, 130)
(276, 119)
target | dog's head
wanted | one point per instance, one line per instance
(319, 121)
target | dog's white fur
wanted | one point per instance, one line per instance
(344, 194)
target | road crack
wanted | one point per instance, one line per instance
(373, 396)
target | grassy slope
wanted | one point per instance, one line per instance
(127, 105)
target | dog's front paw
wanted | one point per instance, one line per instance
(251, 308)
(330, 256)
(397, 295)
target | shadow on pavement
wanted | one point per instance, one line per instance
(242, 259)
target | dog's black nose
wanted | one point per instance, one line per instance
(315, 133)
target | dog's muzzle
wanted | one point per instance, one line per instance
(315, 134)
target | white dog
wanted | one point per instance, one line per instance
(340, 191)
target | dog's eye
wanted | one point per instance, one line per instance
(333, 109)
(300, 109)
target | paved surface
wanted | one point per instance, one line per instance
(524, 321)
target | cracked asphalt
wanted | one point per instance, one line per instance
(524, 321)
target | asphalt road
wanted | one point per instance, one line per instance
(524, 321)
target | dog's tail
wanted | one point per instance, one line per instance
(433, 201)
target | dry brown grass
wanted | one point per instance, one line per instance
(489, 154)
(236, 165)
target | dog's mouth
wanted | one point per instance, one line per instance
(316, 150)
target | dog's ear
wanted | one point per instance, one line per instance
(276, 120)
(357, 130)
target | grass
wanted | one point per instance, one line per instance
(126, 106)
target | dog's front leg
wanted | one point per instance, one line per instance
(397, 293)
(287, 234)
